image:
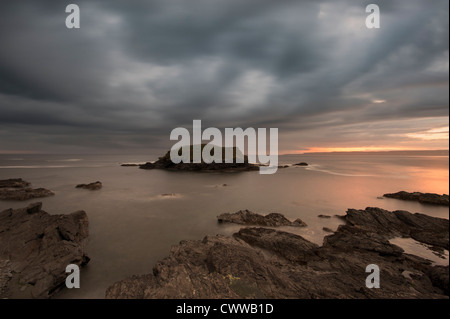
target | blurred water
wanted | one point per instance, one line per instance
(132, 225)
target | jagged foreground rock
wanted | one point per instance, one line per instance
(36, 247)
(18, 189)
(267, 263)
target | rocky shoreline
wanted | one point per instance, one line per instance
(258, 262)
(36, 247)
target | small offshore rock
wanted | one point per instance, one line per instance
(92, 186)
(301, 164)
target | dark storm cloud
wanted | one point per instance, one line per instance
(137, 69)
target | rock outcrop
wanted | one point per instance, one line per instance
(165, 162)
(424, 198)
(267, 263)
(35, 249)
(18, 189)
(246, 217)
(91, 186)
(423, 228)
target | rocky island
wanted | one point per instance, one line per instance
(18, 189)
(260, 262)
(166, 163)
(36, 247)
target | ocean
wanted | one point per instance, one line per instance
(139, 214)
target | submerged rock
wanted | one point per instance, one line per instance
(36, 247)
(92, 186)
(18, 189)
(246, 217)
(266, 263)
(301, 164)
(424, 198)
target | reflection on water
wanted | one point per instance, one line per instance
(138, 215)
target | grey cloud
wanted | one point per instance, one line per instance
(137, 69)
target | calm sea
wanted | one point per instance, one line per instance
(132, 225)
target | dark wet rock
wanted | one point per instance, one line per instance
(35, 249)
(166, 163)
(34, 208)
(424, 198)
(423, 228)
(439, 277)
(324, 216)
(246, 217)
(301, 164)
(18, 189)
(286, 245)
(92, 186)
(349, 238)
(267, 263)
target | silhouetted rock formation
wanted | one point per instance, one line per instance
(18, 189)
(35, 249)
(92, 186)
(246, 217)
(166, 163)
(424, 198)
(266, 263)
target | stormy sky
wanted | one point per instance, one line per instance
(135, 70)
